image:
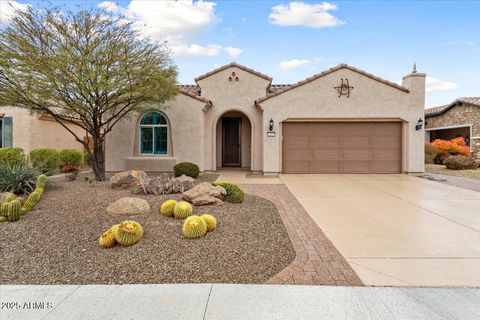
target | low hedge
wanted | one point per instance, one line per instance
(234, 193)
(460, 163)
(45, 158)
(12, 156)
(70, 157)
(186, 168)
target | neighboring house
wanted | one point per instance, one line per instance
(343, 120)
(461, 118)
(20, 129)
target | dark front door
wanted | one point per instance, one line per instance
(231, 142)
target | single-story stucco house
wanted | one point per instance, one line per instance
(20, 129)
(461, 118)
(343, 120)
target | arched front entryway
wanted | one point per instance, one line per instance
(234, 141)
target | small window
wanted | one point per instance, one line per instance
(154, 134)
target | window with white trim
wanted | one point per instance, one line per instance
(154, 134)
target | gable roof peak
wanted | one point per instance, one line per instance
(230, 65)
(329, 71)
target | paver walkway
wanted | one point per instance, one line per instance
(317, 261)
(226, 302)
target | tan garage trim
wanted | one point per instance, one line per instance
(342, 147)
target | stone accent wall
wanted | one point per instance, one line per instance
(457, 116)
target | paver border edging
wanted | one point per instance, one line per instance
(317, 261)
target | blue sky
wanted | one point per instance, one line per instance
(292, 40)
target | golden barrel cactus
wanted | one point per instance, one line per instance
(210, 220)
(182, 210)
(194, 227)
(167, 207)
(107, 239)
(129, 233)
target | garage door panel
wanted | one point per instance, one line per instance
(357, 154)
(342, 147)
(334, 153)
(298, 153)
(296, 166)
(318, 140)
(354, 141)
(297, 140)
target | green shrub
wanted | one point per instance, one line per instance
(460, 163)
(70, 157)
(18, 178)
(431, 153)
(234, 193)
(12, 156)
(45, 158)
(186, 168)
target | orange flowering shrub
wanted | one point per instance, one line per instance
(447, 148)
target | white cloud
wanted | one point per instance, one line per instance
(292, 64)
(196, 50)
(434, 85)
(109, 6)
(305, 14)
(166, 20)
(7, 9)
(233, 52)
(177, 22)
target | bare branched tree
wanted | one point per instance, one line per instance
(86, 68)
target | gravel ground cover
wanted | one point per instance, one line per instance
(441, 169)
(57, 243)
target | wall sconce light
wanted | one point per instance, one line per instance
(270, 125)
(419, 124)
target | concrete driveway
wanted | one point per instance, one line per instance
(397, 229)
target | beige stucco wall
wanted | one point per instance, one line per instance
(195, 129)
(47, 133)
(370, 99)
(30, 132)
(233, 96)
(185, 117)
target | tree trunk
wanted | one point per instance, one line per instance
(98, 161)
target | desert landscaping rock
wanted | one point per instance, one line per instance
(57, 243)
(128, 206)
(128, 179)
(204, 194)
(206, 200)
(185, 182)
(164, 184)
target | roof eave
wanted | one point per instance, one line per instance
(327, 72)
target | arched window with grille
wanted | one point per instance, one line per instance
(154, 134)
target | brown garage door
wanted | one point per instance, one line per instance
(342, 147)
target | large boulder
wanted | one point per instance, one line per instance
(205, 194)
(129, 179)
(164, 184)
(184, 182)
(128, 206)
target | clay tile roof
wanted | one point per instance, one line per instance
(233, 64)
(191, 88)
(470, 100)
(275, 87)
(195, 96)
(326, 72)
(435, 111)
